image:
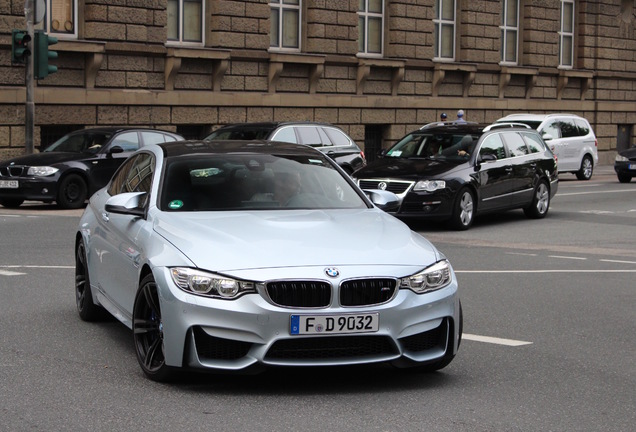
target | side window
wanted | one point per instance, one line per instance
(552, 129)
(535, 144)
(169, 138)
(134, 176)
(309, 135)
(568, 128)
(516, 144)
(286, 135)
(337, 138)
(493, 145)
(153, 137)
(129, 141)
(583, 127)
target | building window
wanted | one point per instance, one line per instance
(370, 26)
(59, 18)
(445, 29)
(510, 32)
(566, 35)
(185, 21)
(285, 22)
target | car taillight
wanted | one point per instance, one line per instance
(595, 143)
(362, 155)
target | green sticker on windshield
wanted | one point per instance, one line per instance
(175, 205)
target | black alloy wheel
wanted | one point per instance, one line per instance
(11, 202)
(540, 202)
(148, 332)
(88, 311)
(586, 170)
(72, 192)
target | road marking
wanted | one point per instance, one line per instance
(38, 266)
(618, 261)
(494, 340)
(521, 253)
(10, 273)
(567, 257)
(596, 192)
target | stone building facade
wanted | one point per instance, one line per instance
(118, 66)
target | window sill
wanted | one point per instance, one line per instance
(584, 76)
(277, 61)
(174, 55)
(439, 73)
(93, 56)
(508, 71)
(364, 70)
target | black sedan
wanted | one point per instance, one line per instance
(625, 165)
(453, 172)
(327, 138)
(74, 167)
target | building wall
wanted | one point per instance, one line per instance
(120, 70)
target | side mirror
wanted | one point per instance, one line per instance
(114, 150)
(381, 153)
(547, 137)
(129, 203)
(384, 200)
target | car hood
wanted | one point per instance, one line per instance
(630, 153)
(391, 167)
(46, 158)
(226, 241)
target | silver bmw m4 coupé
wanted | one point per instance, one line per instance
(237, 255)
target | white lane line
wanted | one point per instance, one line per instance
(38, 266)
(544, 271)
(521, 253)
(10, 273)
(567, 257)
(618, 261)
(494, 340)
(596, 192)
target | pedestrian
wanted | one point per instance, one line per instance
(460, 117)
(443, 117)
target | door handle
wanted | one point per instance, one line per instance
(105, 217)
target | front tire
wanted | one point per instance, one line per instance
(72, 192)
(86, 308)
(540, 202)
(463, 211)
(586, 170)
(148, 332)
(623, 178)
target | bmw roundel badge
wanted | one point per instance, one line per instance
(332, 272)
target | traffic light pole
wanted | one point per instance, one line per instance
(29, 113)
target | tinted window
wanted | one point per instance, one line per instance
(153, 137)
(493, 145)
(286, 135)
(584, 129)
(135, 175)
(534, 141)
(89, 142)
(552, 129)
(309, 135)
(516, 144)
(129, 141)
(337, 138)
(568, 128)
(438, 146)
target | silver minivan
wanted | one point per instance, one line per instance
(570, 137)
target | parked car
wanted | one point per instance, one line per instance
(233, 255)
(327, 138)
(570, 138)
(72, 168)
(625, 165)
(455, 172)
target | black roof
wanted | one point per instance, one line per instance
(272, 125)
(447, 128)
(180, 148)
(116, 129)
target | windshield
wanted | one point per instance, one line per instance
(80, 143)
(453, 147)
(213, 182)
(239, 134)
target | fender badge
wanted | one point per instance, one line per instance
(332, 272)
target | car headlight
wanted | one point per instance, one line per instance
(620, 158)
(429, 185)
(41, 171)
(430, 279)
(209, 284)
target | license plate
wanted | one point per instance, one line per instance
(8, 184)
(334, 324)
(632, 166)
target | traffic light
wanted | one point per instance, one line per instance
(20, 49)
(41, 66)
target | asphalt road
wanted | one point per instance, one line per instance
(549, 339)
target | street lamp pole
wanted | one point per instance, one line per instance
(29, 114)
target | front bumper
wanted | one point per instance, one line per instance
(250, 332)
(31, 188)
(626, 168)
